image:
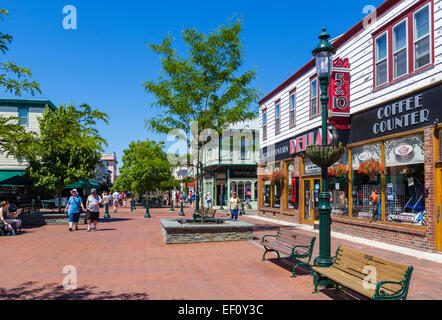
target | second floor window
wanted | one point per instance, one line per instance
(422, 38)
(243, 148)
(264, 125)
(277, 118)
(400, 49)
(23, 114)
(292, 109)
(314, 105)
(381, 60)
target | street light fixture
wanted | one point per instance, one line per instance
(323, 54)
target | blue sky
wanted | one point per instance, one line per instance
(106, 59)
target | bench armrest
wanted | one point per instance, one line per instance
(266, 236)
(294, 248)
(381, 294)
(316, 260)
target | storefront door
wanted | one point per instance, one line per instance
(311, 189)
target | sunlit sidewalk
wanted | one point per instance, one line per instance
(128, 259)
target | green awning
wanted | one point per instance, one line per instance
(83, 184)
(7, 174)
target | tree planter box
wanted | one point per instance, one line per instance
(184, 231)
(47, 218)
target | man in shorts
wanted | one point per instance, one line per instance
(116, 200)
(93, 209)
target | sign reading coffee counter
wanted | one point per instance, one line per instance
(419, 110)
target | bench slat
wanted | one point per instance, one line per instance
(350, 252)
(381, 272)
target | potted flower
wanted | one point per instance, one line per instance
(338, 171)
(265, 177)
(370, 167)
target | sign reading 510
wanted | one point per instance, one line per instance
(339, 109)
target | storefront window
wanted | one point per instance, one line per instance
(256, 191)
(405, 180)
(267, 187)
(338, 186)
(366, 182)
(233, 188)
(241, 194)
(248, 195)
(276, 190)
(292, 186)
(311, 169)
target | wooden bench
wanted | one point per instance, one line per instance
(289, 243)
(373, 277)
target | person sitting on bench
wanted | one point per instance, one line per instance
(9, 218)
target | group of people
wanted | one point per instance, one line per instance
(94, 202)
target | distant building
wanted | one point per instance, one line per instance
(231, 165)
(111, 163)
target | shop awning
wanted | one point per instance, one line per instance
(16, 181)
(8, 174)
(83, 184)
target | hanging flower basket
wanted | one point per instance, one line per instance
(278, 177)
(325, 156)
(265, 178)
(370, 167)
(338, 171)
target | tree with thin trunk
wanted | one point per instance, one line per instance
(208, 87)
(67, 149)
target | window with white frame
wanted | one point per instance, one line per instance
(292, 109)
(277, 118)
(314, 105)
(23, 114)
(381, 59)
(400, 50)
(264, 125)
(422, 38)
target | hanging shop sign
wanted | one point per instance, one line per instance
(412, 112)
(339, 93)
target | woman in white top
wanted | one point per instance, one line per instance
(234, 206)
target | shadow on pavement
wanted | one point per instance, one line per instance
(31, 291)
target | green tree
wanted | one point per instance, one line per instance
(145, 169)
(14, 79)
(207, 86)
(68, 147)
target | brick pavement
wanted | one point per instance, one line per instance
(128, 259)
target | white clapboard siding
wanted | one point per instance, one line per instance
(10, 163)
(359, 50)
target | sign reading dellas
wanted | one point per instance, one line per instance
(339, 93)
(415, 111)
(293, 146)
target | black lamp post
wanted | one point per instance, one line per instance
(323, 54)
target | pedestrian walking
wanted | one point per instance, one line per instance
(234, 206)
(124, 200)
(115, 200)
(74, 208)
(191, 199)
(209, 200)
(93, 209)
